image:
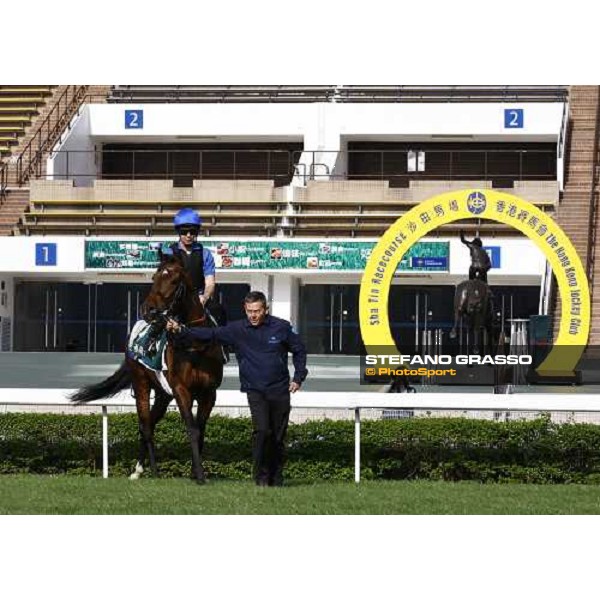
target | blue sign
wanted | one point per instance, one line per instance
(45, 255)
(513, 118)
(494, 254)
(134, 119)
(436, 262)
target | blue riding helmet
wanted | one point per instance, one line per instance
(187, 216)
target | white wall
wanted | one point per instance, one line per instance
(285, 297)
(519, 256)
(75, 159)
(260, 282)
(324, 128)
(17, 254)
(322, 124)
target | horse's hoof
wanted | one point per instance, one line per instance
(200, 481)
(452, 334)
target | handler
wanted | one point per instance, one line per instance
(261, 343)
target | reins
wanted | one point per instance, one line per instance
(177, 297)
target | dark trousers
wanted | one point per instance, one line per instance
(270, 416)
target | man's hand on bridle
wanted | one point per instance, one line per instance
(173, 326)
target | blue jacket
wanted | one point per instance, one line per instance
(261, 351)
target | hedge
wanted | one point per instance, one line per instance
(452, 449)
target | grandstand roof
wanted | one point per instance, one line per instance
(337, 93)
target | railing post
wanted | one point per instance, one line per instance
(357, 445)
(105, 442)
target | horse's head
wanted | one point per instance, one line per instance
(171, 286)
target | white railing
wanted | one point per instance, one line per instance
(351, 401)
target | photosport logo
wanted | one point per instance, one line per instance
(462, 369)
(575, 318)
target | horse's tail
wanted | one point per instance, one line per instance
(118, 381)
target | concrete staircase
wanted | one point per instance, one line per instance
(19, 109)
(11, 210)
(43, 134)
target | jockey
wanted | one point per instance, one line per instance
(480, 260)
(197, 260)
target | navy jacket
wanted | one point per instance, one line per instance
(261, 351)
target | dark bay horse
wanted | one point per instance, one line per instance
(473, 302)
(193, 373)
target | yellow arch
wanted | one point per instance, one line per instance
(491, 205)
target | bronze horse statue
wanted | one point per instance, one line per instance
(400, 384)
(473, 303)
(193, 373)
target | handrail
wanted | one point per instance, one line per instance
(3, 182)
(22, 173)
(593, 203)
(563, 131)
(287, 166)
(53, 125)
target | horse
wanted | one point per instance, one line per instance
(473, 301)
(193, 373)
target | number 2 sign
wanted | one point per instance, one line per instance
(513, 118)
(134, 119)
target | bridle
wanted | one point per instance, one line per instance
(161, 316)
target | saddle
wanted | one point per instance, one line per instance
(147, 344)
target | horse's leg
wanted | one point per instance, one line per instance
(454, 327)
(206, 402)
(458, 305)
(141, 390)
(159, 408)
(476, 335)
(184, 402)
(157, 412)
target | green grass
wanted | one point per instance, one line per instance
(35, 494)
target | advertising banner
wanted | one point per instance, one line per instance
(268, 255)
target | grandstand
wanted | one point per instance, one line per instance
(282, 166)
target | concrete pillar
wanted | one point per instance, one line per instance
(285, 297)
(320, 159)
(262, 282)
(7, 293)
